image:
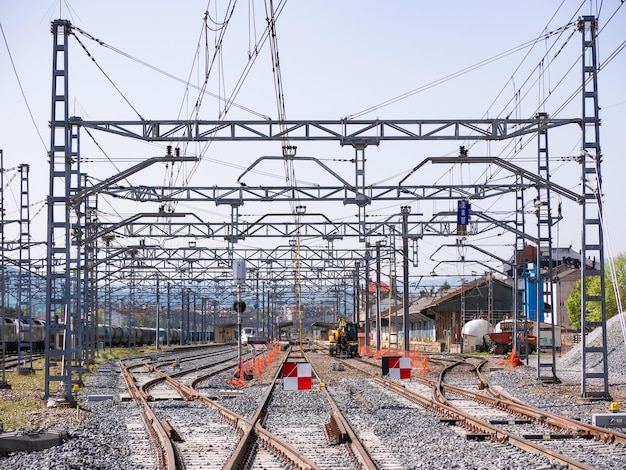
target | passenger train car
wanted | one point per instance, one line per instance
(33, 331)
(248, 335)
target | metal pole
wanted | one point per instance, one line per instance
(188, 317)
(182, 317)
(256, 305)
(264, 309)
(203, 313)
(3, 382)
(367, 297)
(405, 274)
(377, 295)
(169, 313)
(356, 304)
(215, 320)
(239, 328)
(195, 336)
(158, 324)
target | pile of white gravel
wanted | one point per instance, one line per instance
(615, 344)
(564, 398)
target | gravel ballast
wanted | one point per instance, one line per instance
(104, 434)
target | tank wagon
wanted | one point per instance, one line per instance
(139, 336)
(114, 335)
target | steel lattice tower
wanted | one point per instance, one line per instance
(24, 283)
(595, 375)
(64, 348)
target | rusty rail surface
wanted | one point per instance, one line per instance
(159, 436)
(258, 434)
(251, 431)
(438, 404)
(358, 452)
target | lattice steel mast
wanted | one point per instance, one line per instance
(64, 348)
(25, 320)
(546, 343)
(595, 375)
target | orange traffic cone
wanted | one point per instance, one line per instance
(513, 360)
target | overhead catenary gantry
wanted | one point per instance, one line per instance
(74, 231)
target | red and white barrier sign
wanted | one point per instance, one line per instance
(297, 376)
(399, 367)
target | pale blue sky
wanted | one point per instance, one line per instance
(337, 59)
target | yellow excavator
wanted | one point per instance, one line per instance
(344, 339)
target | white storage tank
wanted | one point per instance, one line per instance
(474, 334)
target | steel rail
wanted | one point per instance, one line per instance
(515, 406)
(180, 388)
(469, 422)
(240, 456)
(473, 424)
(251, 431)
(358, 450)
(518, 408)
(165, 449)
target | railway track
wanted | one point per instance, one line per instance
(568, 441)
(11, 362)
(186, 433)
(189, 434)
(196, 424)
(464, 399)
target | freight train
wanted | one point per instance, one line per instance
(106, 335)
(139, 336)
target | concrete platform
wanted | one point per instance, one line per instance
(18, 441)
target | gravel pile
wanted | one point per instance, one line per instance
(616, 349)
(564, 398)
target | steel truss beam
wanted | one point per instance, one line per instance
(219, 260)
(324, 229)
(345, 131)
(238, 195)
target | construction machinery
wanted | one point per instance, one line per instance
(502, 338)
(343, 341)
